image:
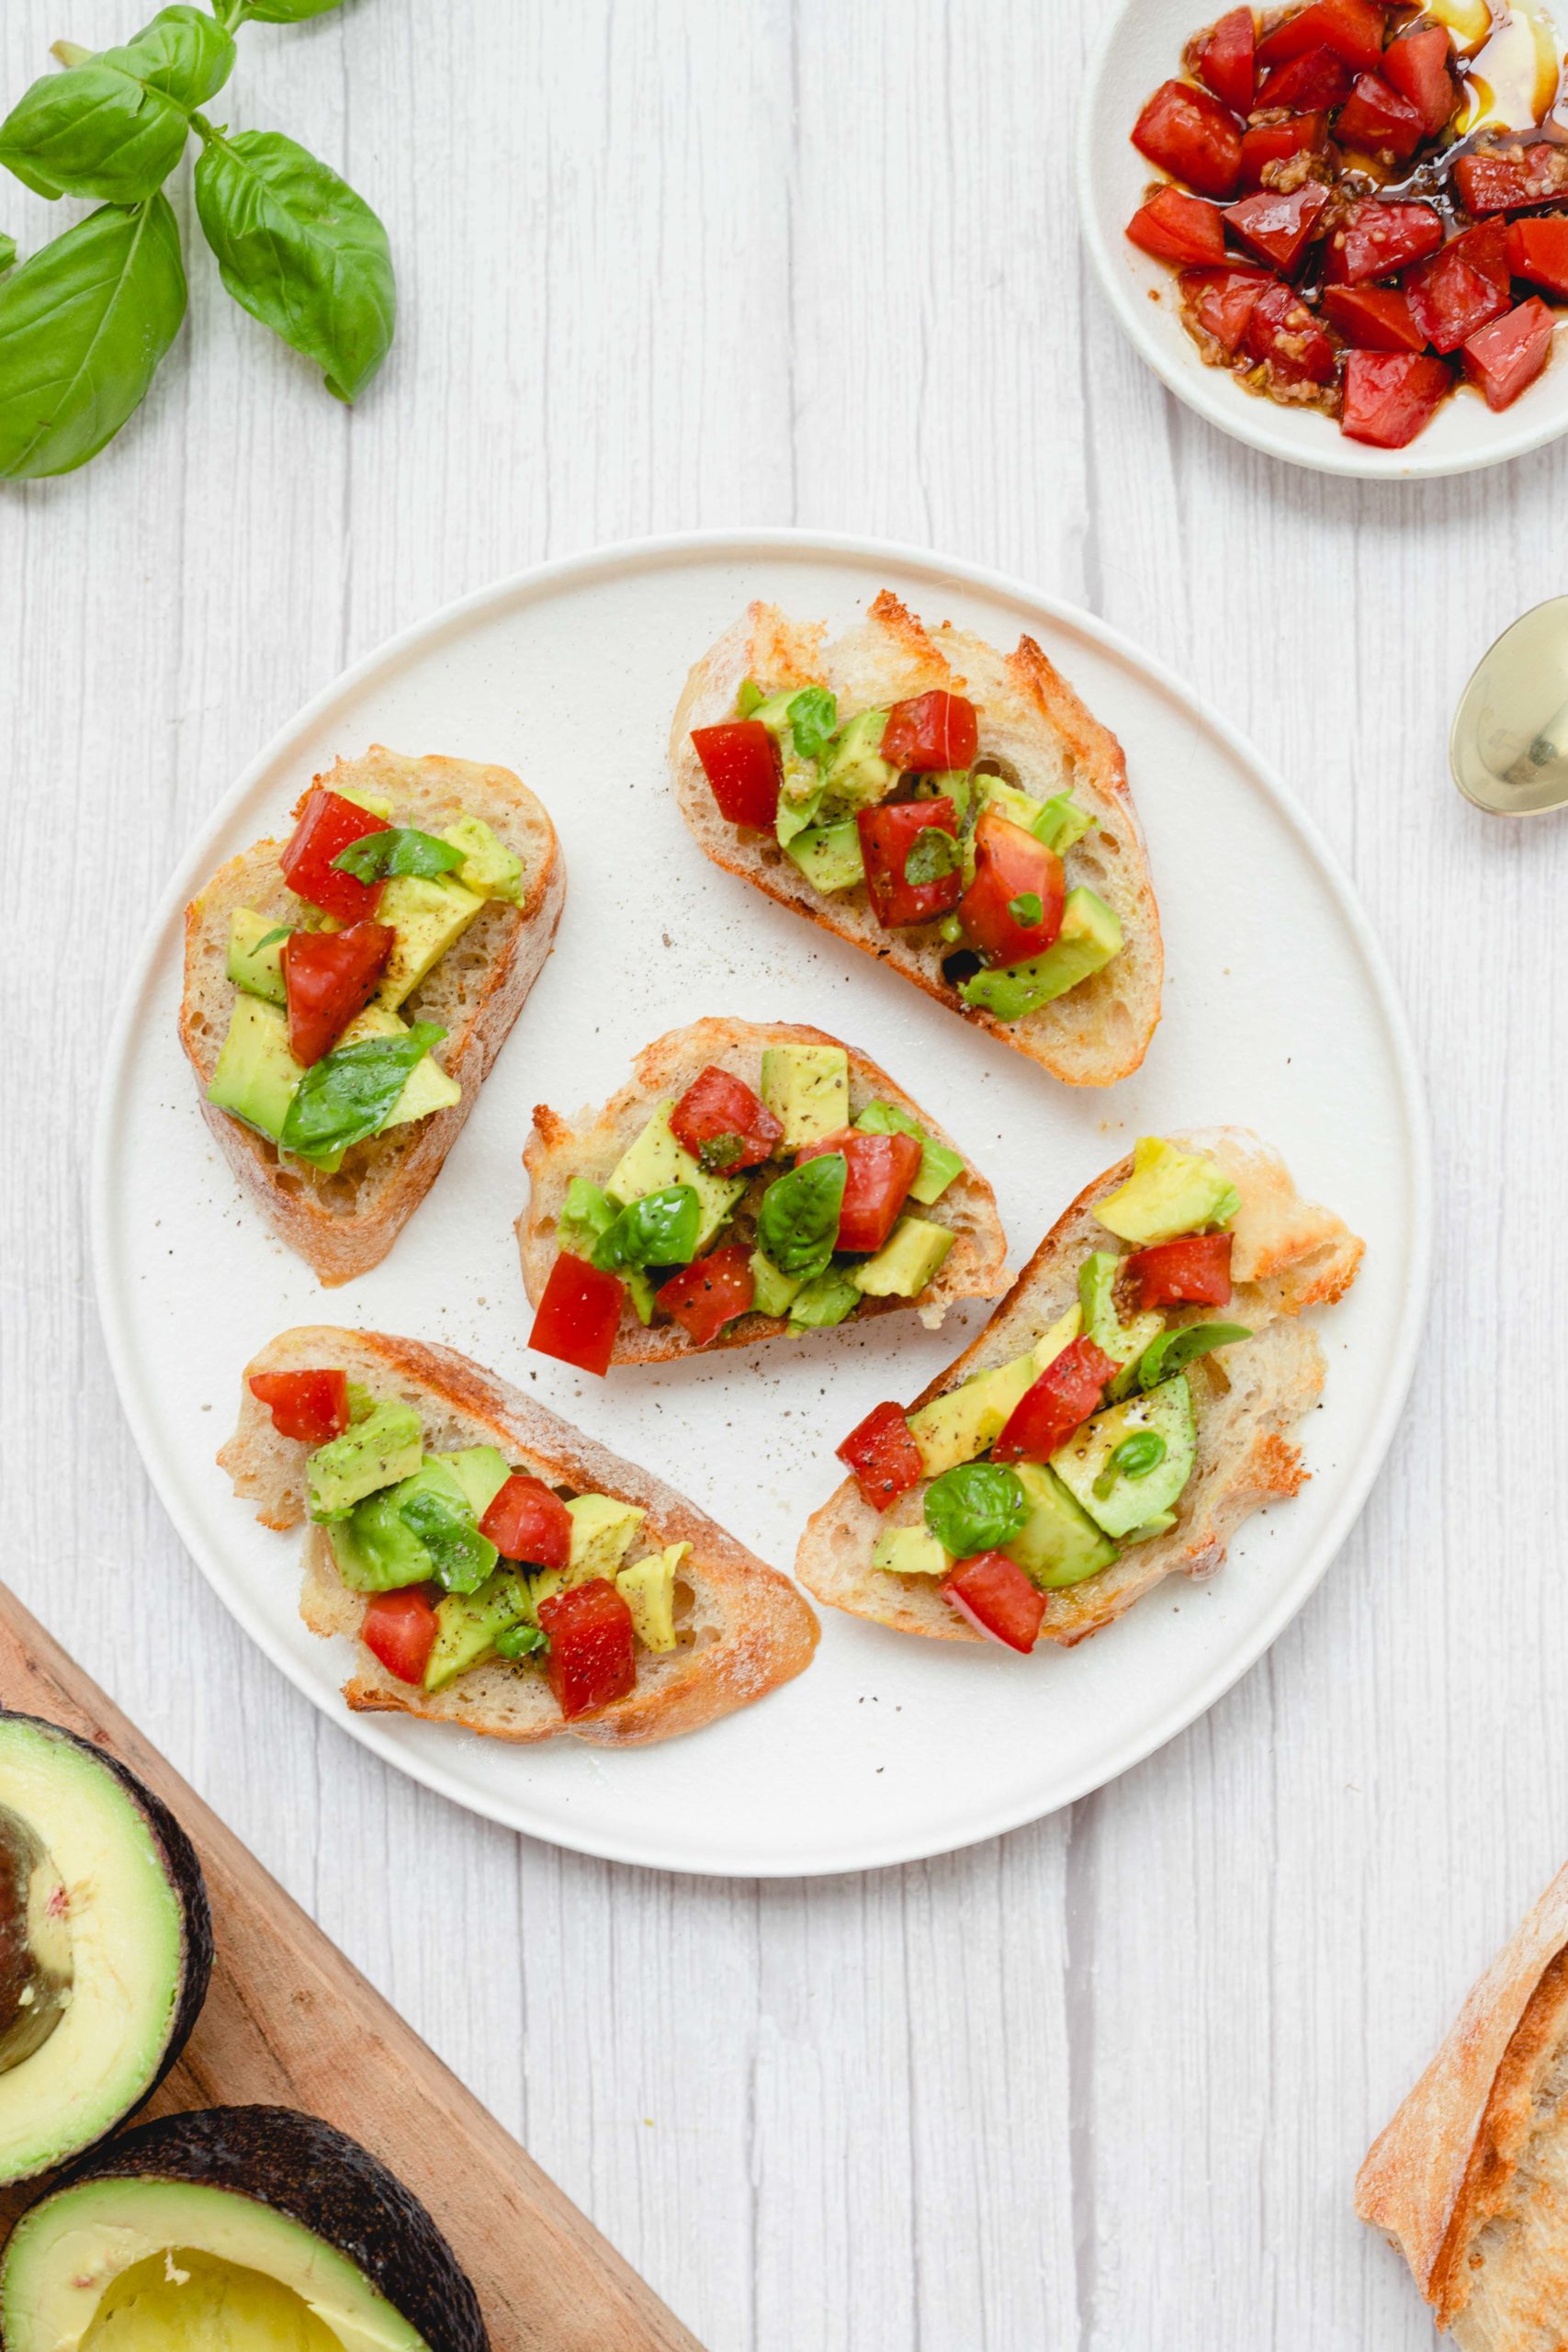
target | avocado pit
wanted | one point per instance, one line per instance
(36, 1969)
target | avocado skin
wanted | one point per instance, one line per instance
(184, 1873)
(316, 2175)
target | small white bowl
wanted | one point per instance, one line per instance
(1143, 48)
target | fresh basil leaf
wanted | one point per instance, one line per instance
(658, 1230)
(348, 1094)
(285, 12)
(272, 938)
(1026, 909)
(8, 254)
(977, 1506)
(1174, 1350)
(83, 327)
(300, 250)
(1135, 1457)
(813, 715)
(931, 855)
(721, 1153)
(521, 1640)
(460, 1557)
(586, 1215)
(115, 126)
(797, 1222)
(397, 849)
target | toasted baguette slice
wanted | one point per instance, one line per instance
(1288, 1254)
(555, 1153)
(744, 1628)
(1470, 2179)
(344, 1223)
(1030, 717)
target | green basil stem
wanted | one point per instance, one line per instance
(71, 53)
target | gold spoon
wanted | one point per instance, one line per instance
(1509, 749)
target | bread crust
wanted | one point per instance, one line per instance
(343, 1224)
(1289, 1254)
(751, 1631)
(1030, 715)
(555, 1151)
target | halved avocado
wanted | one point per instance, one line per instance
(234, 2229)
(106, 1944)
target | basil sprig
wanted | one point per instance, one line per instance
(460, 1557)
(521, 1640)
(115, 126)
(397, 849)
(813, 715)
(977, 1506)
(348, 1094)
(932, 854)
(661, 1229)
(797, 1222)
(1174, 1350)
(1135, 1457)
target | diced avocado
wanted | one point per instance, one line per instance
(832, 1297)
(910, 1552)
(800, 800)
(854, 774)
(544, 1583)
(912, 1256)
(640, 1291)
(1061, 1334)
(427, 916)
(371, 800)
(384, 1447)
(480, 1471)
(1062, 824)
(1009, 801)
(586, 1215)
(1123, 1342)
(375, 1547)
(1161, 1525)
(1058, 1543)
(1090, 935)
(656, 1160)
(252, 966)
(467, 1624)
(427, 1087)
(648, 1587)
(806, 1088)
(829, 855)
(257, 1077)
(490, 869)
(1083, 1463)
(602, 1530)
(774, 1292)
(960, 1426)
(938, 1166)
(1169, 1191)
(772, 711)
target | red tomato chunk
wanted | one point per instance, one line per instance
(1175, 226)
(1193, 1271)
(1192, 136)
(1061, 1400)
(740, 761)
(1378, 240)
(1506, 179)
(1227, 62)
(1353, 30)
(1507, 357)
(1463, 288)
(1279, 227)
(1286, 333)
(1318, 79)
(879, 1172)
(1372, 318)
(328, 977)
(720, 1108)
(887, 834)
(997, 1598)
(327, 825)
(929, 733)
(592, 1660)
(1377, 119)
(399, 1629)
(1418, 66)
(1539, 250)
(578, 1316)
(1277, 143)
(711, 1291)
(1390, 395)
(883, 1456)
(1222, 301)
(1011, 868)
(310, 1406)
(526, 1521)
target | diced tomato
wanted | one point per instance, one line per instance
(1226, 61)
(1192, 136)
(711, 1291)
(592, 1660)
(1463, 288)
(310, 1406)
(1174, 226)
(997, 1598)
(1507, 357)
(740, 761)
(1192, 1271)
(578, 1316)
(526, 1521)
(1282, 331)
(887, 834)
(883, 1455)
(1539, 250)
(1061, 1400)
(1375, 119)
(720, 1108)
(328, 977)
(1353, 30)
(1279, 227)
(1391, 396)
(1372, 318)
(1316, 80)
(327, 824)
(1378, 239)
(1010, 866)
(1506, 179)
(1222, 301)
(399, 1628)
(1277, 143)
(931, 732)
(1418, 65)
(879, 1170)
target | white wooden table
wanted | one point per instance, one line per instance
(668, 262)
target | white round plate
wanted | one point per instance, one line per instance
(1142, 47)
(1280, 1016)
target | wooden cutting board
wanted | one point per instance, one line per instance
(289, 2022)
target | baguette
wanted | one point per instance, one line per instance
(1288, 1255)
(744, 1629)
(1033, 723)
(555, 1152)
(1470, 2180)
(344, 1223)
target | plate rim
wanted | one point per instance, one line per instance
(761, 544)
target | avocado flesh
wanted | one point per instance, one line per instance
(655, 1159)
(806, 1088)
(35, 1942)
(1058, 1543)
(185, 2302)
(428, 917)
(829, 855)
(1130, 1503)
(252, 966)
(1169, 1193)
(1090, 935)
(912, 1256)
